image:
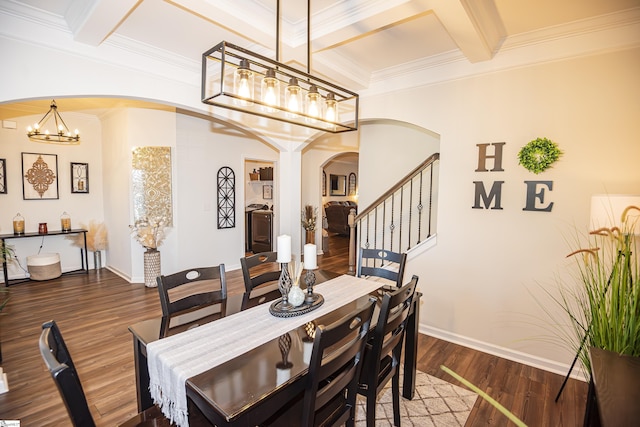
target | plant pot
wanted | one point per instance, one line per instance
(616, 379)
(311, 237)
(151, 267)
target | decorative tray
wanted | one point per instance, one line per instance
(278, 310)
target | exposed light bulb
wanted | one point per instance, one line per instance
(331, 108)
(243, 83)
(271, 89)
(293, 99)
(313, 102)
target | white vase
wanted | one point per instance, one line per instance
(296, 296)
(151, 267)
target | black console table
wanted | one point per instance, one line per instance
(83, 255)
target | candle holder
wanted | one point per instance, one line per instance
(310, 280)
(284, 284)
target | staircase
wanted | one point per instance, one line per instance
(400, 219)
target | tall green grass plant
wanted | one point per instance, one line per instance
(605, 306)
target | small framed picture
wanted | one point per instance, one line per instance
(3, 176)
(79, 177)
(39, 176)
(267, 192)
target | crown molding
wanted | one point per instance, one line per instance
(614, 31)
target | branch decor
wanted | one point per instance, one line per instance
(538, 155)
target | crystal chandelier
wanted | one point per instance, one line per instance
(61, 135)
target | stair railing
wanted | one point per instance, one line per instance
(402, 217)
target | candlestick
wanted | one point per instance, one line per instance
(310, 280)
(310, 257)
(284, 284)
(284, 249)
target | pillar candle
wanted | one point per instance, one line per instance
(284, 248)
(310, 257)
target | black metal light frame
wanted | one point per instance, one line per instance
(220, 63)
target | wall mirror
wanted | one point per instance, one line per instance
(338, 185)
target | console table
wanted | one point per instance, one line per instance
(83, 255)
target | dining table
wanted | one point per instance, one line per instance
(258, 361)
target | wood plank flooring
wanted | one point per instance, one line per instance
(93, 312)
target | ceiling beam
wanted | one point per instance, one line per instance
(475, 27)
(92, 21)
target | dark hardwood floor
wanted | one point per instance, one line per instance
(93, 312)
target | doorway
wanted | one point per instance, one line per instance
(259, 213)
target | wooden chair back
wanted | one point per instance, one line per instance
(376, 262)
(334, 369)
(58, 360)
(192, 289)
(259, 269)
(56, 356)
(383, 351)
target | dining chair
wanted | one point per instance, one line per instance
(58, 360)
(334, 369)
(259, 269)
(383, 350)
(192, 289)
(382, 263)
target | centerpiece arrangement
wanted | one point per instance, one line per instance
(294, 301)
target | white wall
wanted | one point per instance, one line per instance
(201, 151)
(82, 207)
(481, 281)
(389, 150)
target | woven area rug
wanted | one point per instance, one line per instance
(436, 404)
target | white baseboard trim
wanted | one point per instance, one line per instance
(503, 352)
(121, 274)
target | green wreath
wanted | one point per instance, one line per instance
(538, 155)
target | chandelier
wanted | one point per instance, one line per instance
(61, 135)
(238, 79)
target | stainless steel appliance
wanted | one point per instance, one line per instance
(248, 224)
(261, 230)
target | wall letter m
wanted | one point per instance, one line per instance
(494, 195)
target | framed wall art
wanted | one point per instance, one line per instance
(324, 183)
(39, 176)
(79, 177)
(353, 184)
(3, 176)
(151, 179)
(267, 192)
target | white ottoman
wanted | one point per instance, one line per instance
(44, 266)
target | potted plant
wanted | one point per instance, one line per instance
(309, 218)
(150, 233)
(604, 310)
(96, 240)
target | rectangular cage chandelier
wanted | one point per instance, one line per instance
(238, 79)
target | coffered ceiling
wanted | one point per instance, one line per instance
(352, 42)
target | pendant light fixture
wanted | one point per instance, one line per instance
(238, 79)
(61, 133)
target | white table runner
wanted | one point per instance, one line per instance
(174, 359)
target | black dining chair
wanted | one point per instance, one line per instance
(259, 269)
(382, 263)
(383, 350)
(334, 370)
(193, 289)
(59, 363)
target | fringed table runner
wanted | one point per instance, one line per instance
(175, 359)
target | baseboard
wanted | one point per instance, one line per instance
(505, 353)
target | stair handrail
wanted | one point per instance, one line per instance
(355, 219)
(431, 159)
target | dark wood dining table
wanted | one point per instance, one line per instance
(242, 391)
